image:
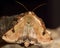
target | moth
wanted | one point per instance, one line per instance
(30, 29)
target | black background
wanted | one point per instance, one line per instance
(50, 13)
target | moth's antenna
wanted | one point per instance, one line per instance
(22, 5)
(39, 6)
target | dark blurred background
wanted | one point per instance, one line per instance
(50, 13)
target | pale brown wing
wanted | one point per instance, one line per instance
(42, 34)
(38, 31)
(14, 33)
(29, 26)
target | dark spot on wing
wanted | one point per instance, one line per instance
(43, 33)
(4, 34)
(13, 30)
(51, 38)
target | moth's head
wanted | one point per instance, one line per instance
(29, 13)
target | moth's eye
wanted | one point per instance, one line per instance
(43, 33)
(13, 30)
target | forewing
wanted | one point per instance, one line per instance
(38, 31)
(15, 33)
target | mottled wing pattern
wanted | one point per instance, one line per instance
(14, 33)
(29, 29)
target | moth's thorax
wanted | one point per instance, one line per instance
(28, 17)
